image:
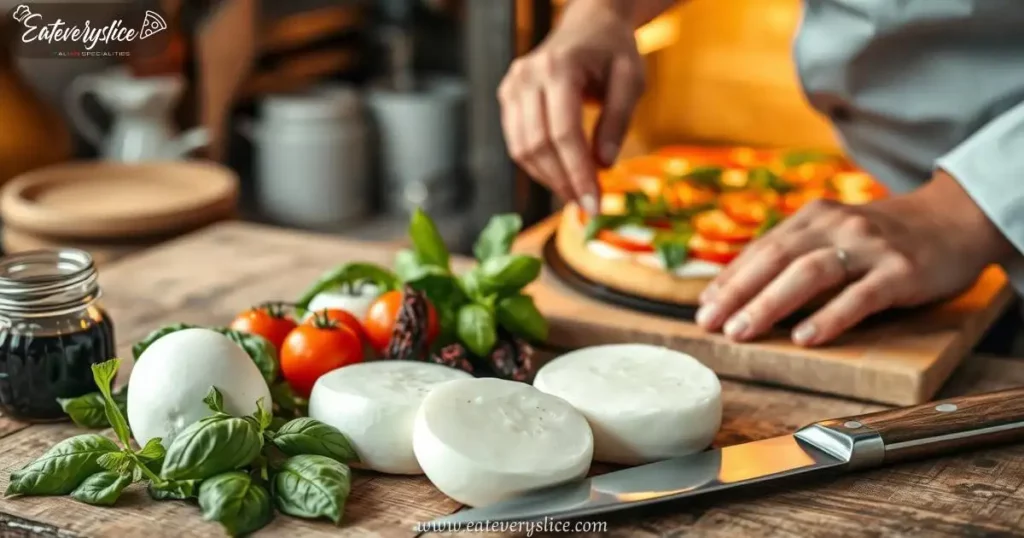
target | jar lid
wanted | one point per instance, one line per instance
(326, 102)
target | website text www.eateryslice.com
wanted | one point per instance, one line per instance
(527, 528)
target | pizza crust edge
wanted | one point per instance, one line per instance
(622, 275)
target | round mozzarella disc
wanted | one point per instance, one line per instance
(355, 303)
(483, 440)
(644, 403)
(374, 404)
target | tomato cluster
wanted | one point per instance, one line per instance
(328, 339)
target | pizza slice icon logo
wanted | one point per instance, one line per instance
(152, 24)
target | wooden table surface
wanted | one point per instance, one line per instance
(209, 276)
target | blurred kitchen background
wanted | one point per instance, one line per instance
(339, 116)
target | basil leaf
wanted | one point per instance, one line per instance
(157, 334)
(214, 400)
(310, 436)
(445, 293)
(476, 329)
(86, 411)
(764, 178)
(174, 490)
(259, 349)
(104, 373)
(277, 423)
(286, 402)
(797, 158)
(153, 450)
(518, 314)
(102, 489)
(497, 237)
(706, 176)
(348, 275)
(427, 241)
(510, 272)
(233, 500)
(474, 285)
(117, 462)
(413, 273)
(407, 265)
(770, 221)
(671, 254)
(312, 486)
(602, 222)
(62, 468)
(211, 446)
(262, 415)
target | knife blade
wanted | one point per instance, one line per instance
(836, 445)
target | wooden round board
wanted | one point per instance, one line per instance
(105, 200)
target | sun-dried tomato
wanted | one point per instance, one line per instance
(512, 358)
(409, 338)
(455, 356)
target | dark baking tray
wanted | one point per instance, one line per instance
(589, 288)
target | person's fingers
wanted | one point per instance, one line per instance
(751, 276)
(869, 295)
(800, 282)
(540, 151)
(624, 88)
(786, 228)
(565, 124)
(512, 117)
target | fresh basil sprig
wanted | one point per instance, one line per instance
(62, 468)
(102, 488)
(477, 328)
(86, 411)
(518, 314)
(427, 241)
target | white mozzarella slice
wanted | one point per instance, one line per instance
(484, 440)
(689, 268)
(644, 403)
(634, 232)
(374, 404)
(355, 303)
(606, 251)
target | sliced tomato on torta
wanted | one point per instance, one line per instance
(749, 208)
(716, 225)
(858, 187)
(709, 250)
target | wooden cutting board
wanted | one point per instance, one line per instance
(901, 362)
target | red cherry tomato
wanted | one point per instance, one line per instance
(382, 315)
(716, 225)
(268, 321)
(713, 251)
(343, 317)
(312, 350)
(749, 208)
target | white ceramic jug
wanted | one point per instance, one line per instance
(141, 109)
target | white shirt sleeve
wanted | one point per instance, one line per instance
(989, 165)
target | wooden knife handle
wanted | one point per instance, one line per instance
(947, 425)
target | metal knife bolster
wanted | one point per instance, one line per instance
(925, 430)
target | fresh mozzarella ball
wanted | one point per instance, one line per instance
(484, 440)
(374, 404)
(355, 302)
(174, 374)
(644, 403)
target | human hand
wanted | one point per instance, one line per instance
(592, 50)
(904, 251)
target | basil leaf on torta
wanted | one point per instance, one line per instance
(427, 241)
(312, 486)
(62, 468)
(240, 505)
(518, 314)
(497, 237)
(672, 254)
(706, 176)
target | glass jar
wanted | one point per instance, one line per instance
(52, 331)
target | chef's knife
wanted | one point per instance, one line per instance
(835, 445)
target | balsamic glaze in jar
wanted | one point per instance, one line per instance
(51, 332)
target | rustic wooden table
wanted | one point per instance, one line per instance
(209, 276)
